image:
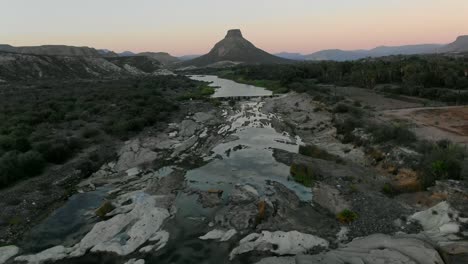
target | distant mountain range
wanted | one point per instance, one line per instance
(234, 49)
(459, 45)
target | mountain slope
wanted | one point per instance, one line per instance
(163, 57)
(344, 55)
(56, 50)
(235, 48)
(291, 56)
(15, 67)
(459, 45)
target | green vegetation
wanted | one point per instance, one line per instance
(105, 208)
(435, 77)
(49, 122)
(389, 190)
(442, 160)
(347, 216)
(302, 174)
(203, 92)
(318, 153)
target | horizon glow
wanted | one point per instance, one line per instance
(192, 27)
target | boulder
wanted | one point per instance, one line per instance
(202, 117)
(188, 128)
(8, 252)
(279, 242)
(48, 255)
(135, 261)
(277, 260)
(133, 154)
(438, 219)
(220, 235)
(137, 226)
(329, 198)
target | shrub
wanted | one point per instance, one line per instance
(318, 153)
(347, 216)
(389, 190)
(105, 208)
(383, 133)
(441, 161)
(302, 174)
(15, 166)
(90, 132)
(32, 163)
(56, 151)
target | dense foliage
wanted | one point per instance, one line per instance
(49, 123)
(432, 76)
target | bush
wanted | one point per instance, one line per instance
(318, 153)
(399, 134)
(347, 216)
(389, 190)
(441, 161)
(31, 162)
(15, 166)
(59, 150)
(302, 174)
(90, 132)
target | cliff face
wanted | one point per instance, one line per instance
(234, 47)
(55, 50)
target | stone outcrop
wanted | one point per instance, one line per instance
(51, 254)
(220, 235)
(133, 155)
(378, 248)
(279, 242)
(8, 252)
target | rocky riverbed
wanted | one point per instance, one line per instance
(216, 188)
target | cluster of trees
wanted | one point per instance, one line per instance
(430, 76)
(48, 123)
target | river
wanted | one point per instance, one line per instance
(247, 160)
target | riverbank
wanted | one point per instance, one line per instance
(216, 182)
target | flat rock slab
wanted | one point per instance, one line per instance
(7, 252)
(378, 248)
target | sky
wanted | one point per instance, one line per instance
(183, 27)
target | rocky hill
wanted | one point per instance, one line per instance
(163, 57)
(345, 55)
(459, 45)
(14, 66)
(235, 48)
(56, 50)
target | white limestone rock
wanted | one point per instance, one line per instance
(440, 218)
(51, 254)
(133, 154)
(137, 226)
(279, 242)
(278, 260)
(202, 117)
(378, 248)
(220, 235)
(135, 261)
(8, 252)
(188, 128)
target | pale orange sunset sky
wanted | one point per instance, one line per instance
(194, 26)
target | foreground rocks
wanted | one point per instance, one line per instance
(378, 248)
(278, 242)
(7, 252)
